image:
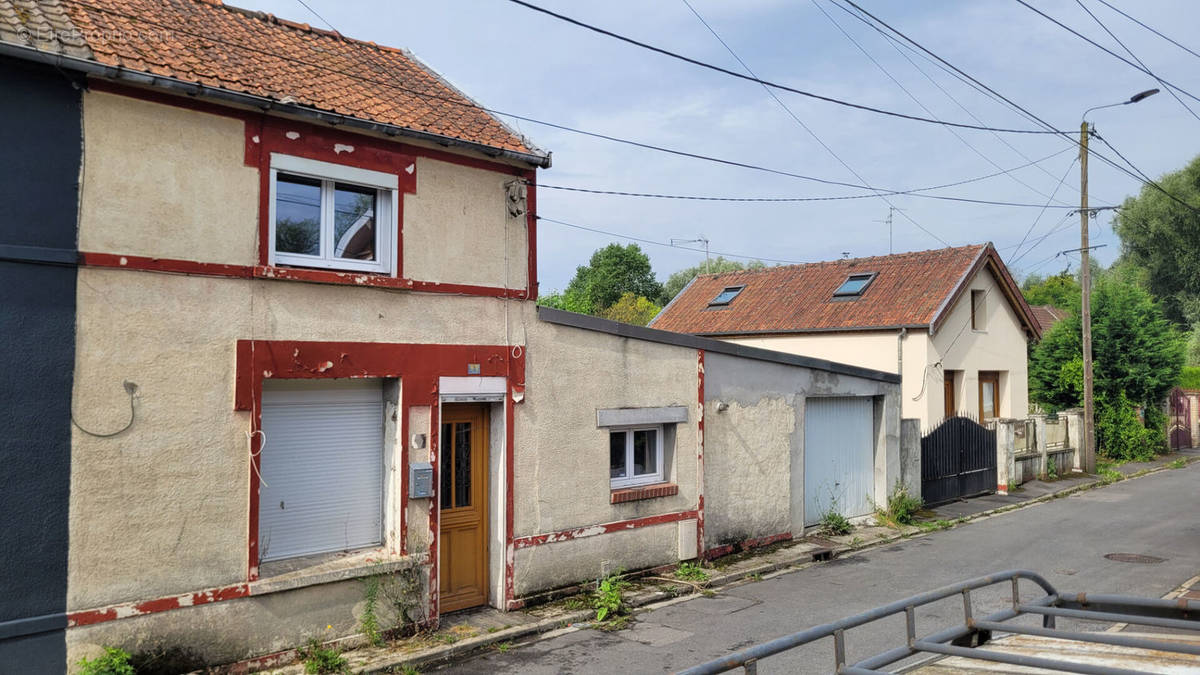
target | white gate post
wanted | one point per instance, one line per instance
(1074, 419)
(1005, 442)
(1039, 432)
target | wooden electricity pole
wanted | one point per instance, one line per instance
(1089, 426)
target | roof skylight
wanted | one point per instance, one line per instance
(854, 285)
(726, 296)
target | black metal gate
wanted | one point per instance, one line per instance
(958, 459)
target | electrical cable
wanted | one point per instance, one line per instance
(1174, 42)
(666, 245)
(130, 388)
(1099, 46)
(773, 85)
(1135, 58)
(812, 133)
(1043, 211)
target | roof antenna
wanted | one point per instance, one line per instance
(888, 220)
(845, 255)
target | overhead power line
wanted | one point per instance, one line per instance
(812, 133)
(1043, 211)
(1174, 42)
(773, 85)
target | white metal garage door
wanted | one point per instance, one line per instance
(839, 464)
(322, 467)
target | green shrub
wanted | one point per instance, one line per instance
(1121, 436)
(834, 523)
(1190, 378)
(115, 661)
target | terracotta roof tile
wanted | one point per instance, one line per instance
(1047, 316)
(257, 53)
(908, 290)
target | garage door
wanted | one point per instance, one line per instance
(839, 465)
(322, 467)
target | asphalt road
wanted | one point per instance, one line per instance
(1065, 540)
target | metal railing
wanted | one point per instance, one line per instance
(1175, 614)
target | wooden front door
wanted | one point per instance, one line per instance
(948, 393)
(463, 474)
(989, 395)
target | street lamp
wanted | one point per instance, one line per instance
(1089, 408)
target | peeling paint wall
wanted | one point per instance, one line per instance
(754, 450)
(562, 457)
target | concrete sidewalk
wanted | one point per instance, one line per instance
(464, 633)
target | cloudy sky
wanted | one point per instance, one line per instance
(516, 60)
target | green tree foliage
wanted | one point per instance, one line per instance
(677, 281)
(1162, 236)
(572, 301)
(1060, 290)
(634, 309)
(1121, 435)
(613, 271)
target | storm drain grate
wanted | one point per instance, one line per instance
(1134, 558)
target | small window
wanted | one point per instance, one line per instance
(333, 216)
(726, 296)
(978, 310)
(635, 456)
(854, 285)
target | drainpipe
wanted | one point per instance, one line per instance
(900, 352)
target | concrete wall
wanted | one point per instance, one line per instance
(169, 182)
(1000, 346)
(754, 449)
(40, 134)
(562, 466)
(869, 349)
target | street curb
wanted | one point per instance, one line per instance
(650, 600)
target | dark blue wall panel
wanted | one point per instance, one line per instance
(40, 143)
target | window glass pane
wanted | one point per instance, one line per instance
(354, 222)
(989, 399)
(297, 215)
(462, 464)
(726, 296)
(645, 452)
(854, 285)
(616, 455)
(446, 467)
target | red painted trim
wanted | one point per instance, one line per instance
(176, 266)
(516, 386)
(125, 610)
(435, 509)
(700, 452)
(606, 528)
(757, 542)
(531, 233)
(420, 366)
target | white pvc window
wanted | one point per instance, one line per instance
(635, 456)
(332, 216)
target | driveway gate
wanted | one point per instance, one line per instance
(958, 459)
(1180, 421)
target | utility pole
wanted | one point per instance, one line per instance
(1089, 419)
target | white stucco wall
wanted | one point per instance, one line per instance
(869, 349)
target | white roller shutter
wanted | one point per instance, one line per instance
(839, 456)
(322, 467)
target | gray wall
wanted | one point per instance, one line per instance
(754, 448)
(41, 135)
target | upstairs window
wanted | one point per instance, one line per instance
(854, 285)
(978, 310)
(332, 216)
(726, 296)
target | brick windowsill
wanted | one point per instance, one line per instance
(633, 494)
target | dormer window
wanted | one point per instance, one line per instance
(726, 296)
(854, 285)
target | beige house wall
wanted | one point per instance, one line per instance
(163, 181)
(869, 349)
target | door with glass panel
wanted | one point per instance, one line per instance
(989, 394)
(462, 497)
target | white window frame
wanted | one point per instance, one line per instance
(641, 479)
(387, 186)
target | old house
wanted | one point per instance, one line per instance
(270, 295)
(951, 321)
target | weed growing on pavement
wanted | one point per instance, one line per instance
(856, 541)
(901, 508)
(934, 525)
(405, 670)
(400, 592)
(1177, 464)
(504, 647)
(708, 593)
(1108, 476)
(115, 661)
(834, 523)
(608, 599)
(369, 619)
(754, 576)
(320, 660)
(1051, 469)
(690, 571)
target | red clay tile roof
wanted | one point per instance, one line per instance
(1047, 315)
(909, 289)
(206, 42)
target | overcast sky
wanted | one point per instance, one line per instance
(516, 60)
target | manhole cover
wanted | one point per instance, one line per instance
(1133, 558)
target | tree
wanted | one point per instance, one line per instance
(613, 271)
(1162, 236)
(677, 281)
(634, 309)
(1060, 290)
(571, 302)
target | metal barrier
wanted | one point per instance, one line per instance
(1176, 614)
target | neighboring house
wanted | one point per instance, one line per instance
(1046, 316)
(270, 315)
(952, 321)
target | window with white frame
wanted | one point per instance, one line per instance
(635, 456)
(332, 216)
